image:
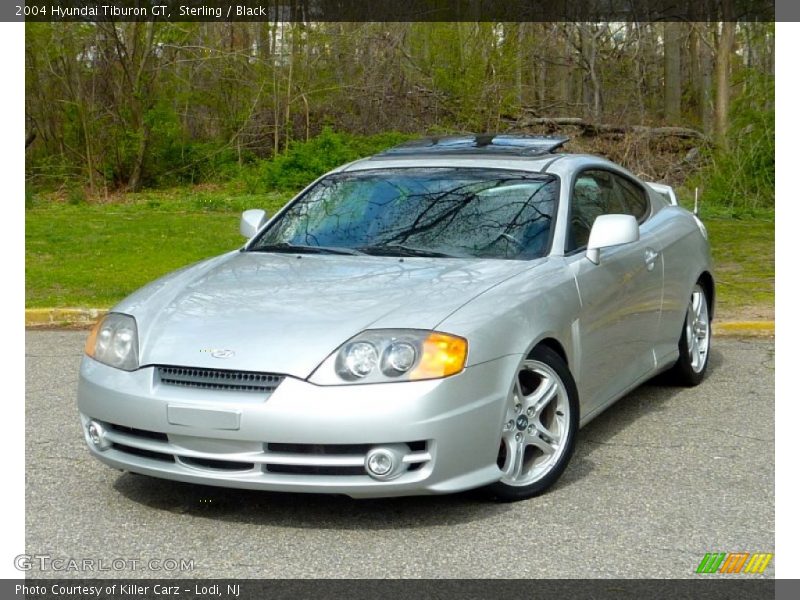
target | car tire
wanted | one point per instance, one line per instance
(694, 346)
(537, 435)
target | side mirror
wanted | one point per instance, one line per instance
(611, 230)
(252, 221)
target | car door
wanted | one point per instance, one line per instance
(621, 296)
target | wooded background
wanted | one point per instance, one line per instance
(119, 106)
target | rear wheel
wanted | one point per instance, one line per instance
(537, 436)
(695, 343)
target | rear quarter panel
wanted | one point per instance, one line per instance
(687, 256)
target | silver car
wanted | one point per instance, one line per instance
(439, 317)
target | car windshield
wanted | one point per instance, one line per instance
(442, 212)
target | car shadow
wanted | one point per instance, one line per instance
(305, 511)
(321, 511)
(651, 397)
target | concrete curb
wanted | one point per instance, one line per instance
(84, 318)
(744, 328)
(62, 318)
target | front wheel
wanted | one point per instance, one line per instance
(695, 343)
(537, 436)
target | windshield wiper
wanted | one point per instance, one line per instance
(288, 248)
(402, 250)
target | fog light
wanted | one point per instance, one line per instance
(97, 435)
(386, 462)
(380, 463)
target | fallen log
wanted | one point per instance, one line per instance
(589, 129)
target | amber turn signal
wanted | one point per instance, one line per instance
(442, 355)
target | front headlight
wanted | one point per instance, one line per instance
(115, 342)
(386, 355)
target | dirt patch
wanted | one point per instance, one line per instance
(760, 312)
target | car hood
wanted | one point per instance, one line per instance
(285, 313)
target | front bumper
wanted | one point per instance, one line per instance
(302, 437)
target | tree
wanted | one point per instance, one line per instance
(723, 93)
(672, 72)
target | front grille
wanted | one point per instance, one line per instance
(139, 433)
(143, 453)
(333, 449)
(312, 470)
(275, 459)
(219, 379)
(324, 449)
(219, 465)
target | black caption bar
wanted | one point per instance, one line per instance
(390, 10)
(282, 589)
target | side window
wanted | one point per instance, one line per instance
(635, 199)
(596, 193)
(593, 194)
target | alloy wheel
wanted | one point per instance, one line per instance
(697, 329)
(536, 425)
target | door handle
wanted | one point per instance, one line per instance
(650, 256)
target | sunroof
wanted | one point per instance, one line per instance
(480, 144)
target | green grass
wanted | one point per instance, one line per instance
(93, 255)
(744, 257)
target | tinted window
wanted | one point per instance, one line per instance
(598, 193)
(460, 212)
(593, 194)
(634, 197)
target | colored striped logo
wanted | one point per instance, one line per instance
(734, 562)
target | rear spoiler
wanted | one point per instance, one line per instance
(665, 191)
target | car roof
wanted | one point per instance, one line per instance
(508, 152)
(514, 163)
(483, 144)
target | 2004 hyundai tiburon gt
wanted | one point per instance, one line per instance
(439, 317)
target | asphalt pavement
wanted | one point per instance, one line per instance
(662, 477)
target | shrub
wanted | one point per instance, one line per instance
(741, 180)
(305, 161)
